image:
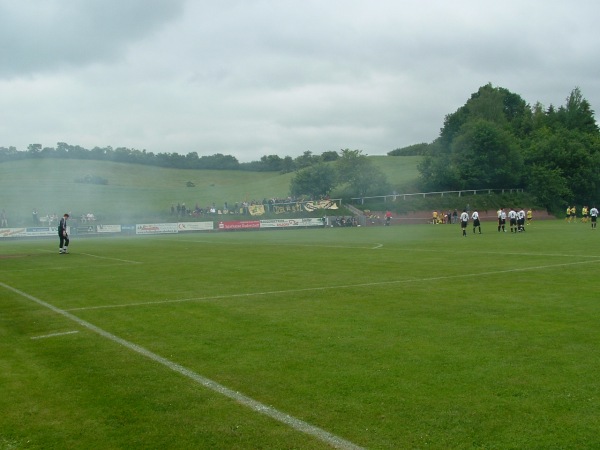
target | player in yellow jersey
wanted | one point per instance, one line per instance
(584, 214)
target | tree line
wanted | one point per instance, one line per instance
(496, 140)
(218, 161)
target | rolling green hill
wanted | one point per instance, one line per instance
(400, 171)
(132, 190)
(142, 192)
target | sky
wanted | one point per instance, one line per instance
(250, 78)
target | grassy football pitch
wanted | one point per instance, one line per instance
(380, 337)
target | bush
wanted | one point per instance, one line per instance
(92, 179)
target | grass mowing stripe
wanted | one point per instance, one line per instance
(296, 424)
(333, 287)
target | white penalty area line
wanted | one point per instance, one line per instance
(54, 335)
(111, 259)
(254, 405)
(127, 261)
(325, 288)
(287, 244)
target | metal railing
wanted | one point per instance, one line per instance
(394, 197)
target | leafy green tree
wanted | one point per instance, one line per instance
(550, 186)
(271, 163)
(10, 153)
(349, 165)
(306, 159)
(329, 156)
(358, 174)
(287, 165)
(574, 155)
(411, 150)
(484, 155)
(34, 149)
(315, 181)
(577, 113)
(480, 145)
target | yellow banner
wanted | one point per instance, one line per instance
(321, 204)
(256, 210)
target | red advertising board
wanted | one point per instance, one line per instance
(239, 225)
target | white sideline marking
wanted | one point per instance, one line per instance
(325, 288)
(37, 269)
(296, 424)
(54, 334)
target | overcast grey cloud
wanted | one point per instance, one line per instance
(250, 78)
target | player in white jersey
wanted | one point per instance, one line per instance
(476, 223)
(594, 216)
(521, 220)
(512, 220)
(502, 220)
(464, 220)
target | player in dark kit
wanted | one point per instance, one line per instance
(63, 236)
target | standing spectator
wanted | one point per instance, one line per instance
(3, 220)
(35, 216)
(63, 236)
(464, 221)
(476, 223)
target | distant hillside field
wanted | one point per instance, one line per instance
(399, 170)
(50, 186)
(132, 190)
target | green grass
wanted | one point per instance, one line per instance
(400, 170)
(387, 337)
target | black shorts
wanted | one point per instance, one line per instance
(476, 223)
